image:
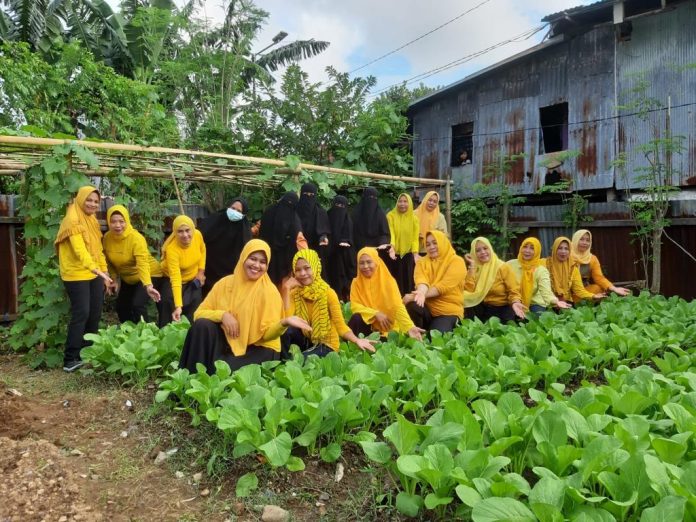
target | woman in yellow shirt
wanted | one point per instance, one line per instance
(130, 261)
(565, 275)
(183, 265)
(491, 288)
(308, 296)
(375, 301)
(241, 319)
(590, 269)
(437, 302)
(403, 251)
(83, 271)
(430, 218)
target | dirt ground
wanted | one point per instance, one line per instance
(77, 447)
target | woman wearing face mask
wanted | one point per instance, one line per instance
(375, 301)
(491, 288)
(566, 282)
(183, 264)
(404, 229)
(83, 271)
(225, 233)
(590, 269)
(130, 261)
(241, 319)
(341, 266)
(534, 279)
(430, 218)
(311, 299)
(437, 303)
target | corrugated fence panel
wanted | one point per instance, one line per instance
(11, 256)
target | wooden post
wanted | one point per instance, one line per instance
(448, 202)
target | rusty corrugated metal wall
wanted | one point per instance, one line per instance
(11, 258)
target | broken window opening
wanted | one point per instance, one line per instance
(553, 129)
(462, 144)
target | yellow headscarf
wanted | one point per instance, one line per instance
(435, 269)
(586, 256)
(560, 272)
(379, 292)
(317, 292)
(76, 221)
(485, 274)
(426, 218)
(256, 305)
(403, 226)
(126, 217)
(528, 267)
(178, 222)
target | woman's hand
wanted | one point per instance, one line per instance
(416, 257)
(290, 284)
(153, 293)
(384, 246)
(416, 333)
(408, 298)
(176, 314)
(382, 322)
(366, 345)
(519, 309)
(419, 298)
(599, 296)
(106, 277)
(296, 322)
(563, 305)
(392, 253)
(230, 325)
(201, 277)
(623, 292)
(344, 244)
(111, 288)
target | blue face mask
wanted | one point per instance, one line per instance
(234, 215)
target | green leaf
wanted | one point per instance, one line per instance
(501, 509)
(407, 504)
(548, 491)
(468, 495)
(404, 435)
(277, 450)
(432, 501)
(379, 452)
(669, 509)
(246, 484)
(331, 452)
(295, 464)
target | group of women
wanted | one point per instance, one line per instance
(249, 300)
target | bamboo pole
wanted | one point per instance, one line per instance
(448, 202)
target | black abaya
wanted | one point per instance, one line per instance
(280, 225)
(340, 268)
(370, 226)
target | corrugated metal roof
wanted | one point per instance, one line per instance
(577, 10)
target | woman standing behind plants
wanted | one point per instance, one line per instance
(491, 289)
(534, 279)
(308, 296)
(438, 301)
(404, 229)
(183, 264)
(83, 271)
(430, 218)
(129, 259)
(341, 268)
(370, 227)
(590, 269)
(565, 275)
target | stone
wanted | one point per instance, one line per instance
(273, 513)
(340, 470)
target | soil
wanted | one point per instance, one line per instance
(73, 448)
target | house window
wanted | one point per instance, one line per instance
(641, 6)
(553, 128)
(462, 143)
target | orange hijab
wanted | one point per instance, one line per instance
(560, 272)
(528, 268)
(426, 218)
(434, 269)
(379, 292)
(76, 221)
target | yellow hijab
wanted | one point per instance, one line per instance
(76, 221)
(428, 219)
(435, 269)
(403, 226)
(528, 268)
(484, 275)
(126, 217)
(256, 305)
(586, 256)
(379, 292)
(317, 292)
(196, 240)
(560, 272)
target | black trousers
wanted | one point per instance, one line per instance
(86, 301)
(206, 343)
(358, 326)
(422, 318)
(402, 269)
(131, 303)
(190, 295)
(295, 336)
(485, 311)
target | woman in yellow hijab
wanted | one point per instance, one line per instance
(437, 302)
(130, 262)
(308, 296)
(375, 301)
(403, 251)
(534, 279)
(241, 319)
(590, 269)
(430, 218)
(83, 271)
(491, 288)
(565, 275)
(183, 265)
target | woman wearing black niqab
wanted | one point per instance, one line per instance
(225, 233)
(315, 223)
(281, 228)
(340, 269)
(370, 227)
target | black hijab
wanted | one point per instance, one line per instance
(370, 227)
(340, 221)
(315, 221)
(280, 225)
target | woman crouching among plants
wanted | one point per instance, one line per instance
(566, 281)
(310, 297)
(241, 320)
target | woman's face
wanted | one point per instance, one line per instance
(184, 235)
(255, 265)
(431, 246)
(237, 205)
(402, 204)
(303, 272)
(367, 266)
(563, 252)
(91, 204)
(432, 202)
(528, 251)
(483, 253)
(117, 224)
(584, 243)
